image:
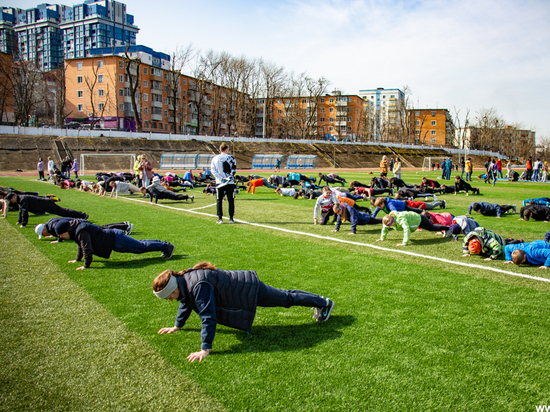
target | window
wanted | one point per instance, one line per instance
(321, 129)
(79, 66)
(80, 107)
(349, 119)
(433, 122)
(322, 109)
(417, 122)
(145, 70)
(121, 64)
(121, 92)
(100, 78)
(79, 79)
(279, 111)
(433, 113)
(304, 101)
(322, 101)
(416, 114)
(331, 119)
(434, 141)
(145, 97)
(121, 78)
(417, 132)
(160, 126)
(330, 129)
(166, 113)
(321, 119)
(101, 106)
(433, 132)
(100, 64)
(146, 124)
(331, 100)
(121, 107)
(145, 83)
(100, 92)
(80, 93)
(331, 109)
(145, 110)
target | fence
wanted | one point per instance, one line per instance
(267, 161)
(47, 131)
(184, 161)
(301, 162)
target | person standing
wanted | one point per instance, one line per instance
(499, 166)
(75, 168)
(529, 168)
(224, 168)
(40, 169)
(397, 168)
(145, 170)
(462, 167)
(51, 168)
(384, 166)
(468, 169)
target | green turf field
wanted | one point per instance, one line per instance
(407, 332)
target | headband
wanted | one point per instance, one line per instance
(168, 289)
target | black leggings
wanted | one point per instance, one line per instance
(426, 223)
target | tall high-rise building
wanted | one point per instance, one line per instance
(50, 33)
(97, 24)
(39, 36)
(383, 108)
(8, 38)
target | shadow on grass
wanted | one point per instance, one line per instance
(138, 263)
(283, 338)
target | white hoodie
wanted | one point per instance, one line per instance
(224, 168)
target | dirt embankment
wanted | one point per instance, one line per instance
(22, 152)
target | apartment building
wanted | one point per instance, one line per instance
(6, 93)
(383, 110)
(95, 25)
(39, 36)
(8, 38)
(432, 126)
(48, 33)
(332, 117)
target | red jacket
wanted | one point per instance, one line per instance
(445, 219)
(416, 204)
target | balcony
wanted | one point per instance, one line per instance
(156, 104)
(156, 117)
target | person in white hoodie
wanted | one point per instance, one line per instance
(223, 168)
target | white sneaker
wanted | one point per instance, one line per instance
(220, 221)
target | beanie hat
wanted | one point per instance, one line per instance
(474, 246)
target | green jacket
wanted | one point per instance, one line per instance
(491, 243)
(406, 221)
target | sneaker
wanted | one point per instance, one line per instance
(220, 221)
(130, 227)
(391, 192)
(86, 217)
(192, 199)
(435, 197)
(515, 209)
(322, 314)
(443, 205)
(168, 253)
(231, 221)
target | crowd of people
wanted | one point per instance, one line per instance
(217, 295)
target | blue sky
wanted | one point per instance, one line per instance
(470, 54)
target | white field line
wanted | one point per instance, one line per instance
(349, 242)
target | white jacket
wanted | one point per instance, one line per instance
(224, 168)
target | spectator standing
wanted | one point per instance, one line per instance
(499, 168)
(449, 168)
(51, 168)
(397, 168)
(529, 168)
(40, 169)
(468, 169)
(145, 170)
(75, 168)
(224, 168)
(462, 167)
(384, 166)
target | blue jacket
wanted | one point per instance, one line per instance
(392, 205)
(355, 218)
(487, 209)
(537, 252)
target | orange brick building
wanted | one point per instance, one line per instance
(432, 126)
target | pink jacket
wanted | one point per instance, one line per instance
(445, 219)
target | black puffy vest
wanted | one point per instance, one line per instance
(236, 294)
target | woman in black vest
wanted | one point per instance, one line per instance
(226, 297)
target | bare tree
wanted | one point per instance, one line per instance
(461, 130)
(25, 83)
(132, 66)
(272, 79)
(405, 117)
(179, 59)
(6, 86)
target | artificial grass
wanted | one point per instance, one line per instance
(405, 332)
